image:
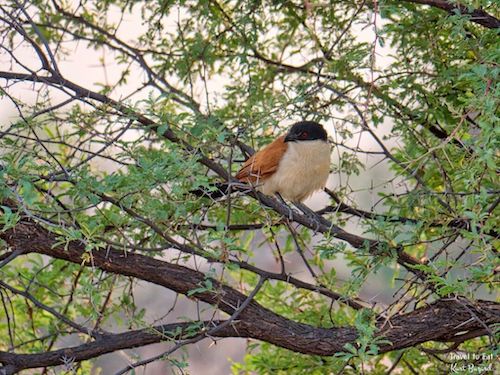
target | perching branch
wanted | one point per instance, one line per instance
(316, 223)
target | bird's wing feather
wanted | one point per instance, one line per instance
(263, 163)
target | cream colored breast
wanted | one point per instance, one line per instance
(303, 169)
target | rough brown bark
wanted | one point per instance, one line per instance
(444, 320)
(478, 16)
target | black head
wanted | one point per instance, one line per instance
(306, 131)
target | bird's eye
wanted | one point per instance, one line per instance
(303, 135)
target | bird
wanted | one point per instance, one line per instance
(293, 166)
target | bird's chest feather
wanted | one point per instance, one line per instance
(303, 169)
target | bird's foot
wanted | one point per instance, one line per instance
(315, 221)
(290, 210)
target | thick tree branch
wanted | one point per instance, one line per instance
(478, 16)
(445, 320)
(106, 344)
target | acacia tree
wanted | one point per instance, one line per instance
(96, 179)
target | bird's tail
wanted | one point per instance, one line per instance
(214, 191)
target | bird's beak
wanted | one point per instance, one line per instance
(291, 137)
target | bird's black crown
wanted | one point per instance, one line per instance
(306, 131)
